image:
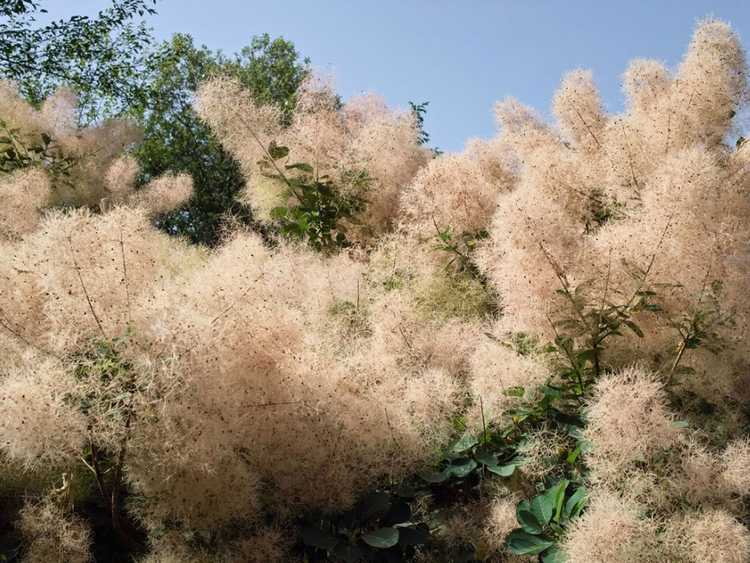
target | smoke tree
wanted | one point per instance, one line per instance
(540, 341)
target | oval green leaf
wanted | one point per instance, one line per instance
(523, 543)
(486, 457)
(502, 470)
(466, 442)
(462, 468)
(526, 518)
(543, 507)
(382, 538)
(554, 555)
(575, 503)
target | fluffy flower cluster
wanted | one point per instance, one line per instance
(293, 380)
(365, 148)
(654, 186)
(86, 166)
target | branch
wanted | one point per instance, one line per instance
(83, 286)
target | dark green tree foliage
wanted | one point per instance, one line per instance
(99, 57)
(175, 139)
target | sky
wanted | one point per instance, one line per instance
(460, 55)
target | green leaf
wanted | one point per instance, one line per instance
(315, 537)
(415, 535)
(543, 507)
(523, 543)
(516, 391)
(573, 455)
(277, 151)
(554, 555)
(575, 503)
(462, 468)
(466, 442)
(634, 327)
(382, 538)
(526, 518)
(503, 470)
(278, 212)
(435, 476)
(301, 166)
(486, 457)
(557, 493)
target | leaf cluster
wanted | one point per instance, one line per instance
(176, 139)
(98, 56)
(543, 520)
(17, 153)
(379, 527)
(318, 208)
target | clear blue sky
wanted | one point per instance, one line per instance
(461, 55)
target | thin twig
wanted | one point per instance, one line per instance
(688, 334)
(231, 306)
(646, 273)
(571, 359)
(560, 274)
(630, 156)
(390, 428)
(125, 276)
(484, 424)
(6, 325)
(83, 286)
(406, 339)
(586, 125)
(265, 150)
(276, 404)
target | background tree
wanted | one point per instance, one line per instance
(176, 139)
(111, 64)
(99, 57)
